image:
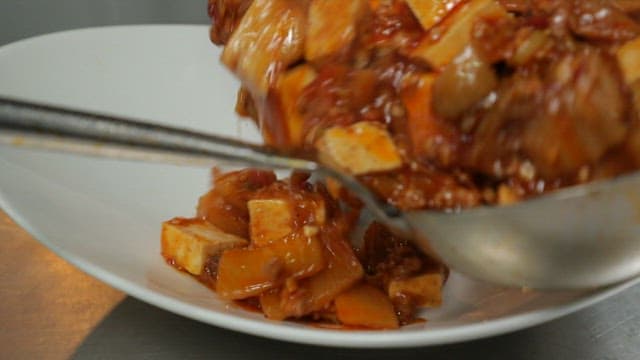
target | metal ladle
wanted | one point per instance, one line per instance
(579, 237)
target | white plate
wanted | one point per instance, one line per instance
(104, 216)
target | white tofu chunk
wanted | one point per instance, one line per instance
(332, 26)
(429, 13)
(269, 219)
(187, 243)
(270, 37)
(361, 148)
(272, 219)
(426, 289)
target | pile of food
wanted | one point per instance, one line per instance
(442, 105)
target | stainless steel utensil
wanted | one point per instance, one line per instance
(579, 237)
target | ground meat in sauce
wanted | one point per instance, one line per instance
(386, 257)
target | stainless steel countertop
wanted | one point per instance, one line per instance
(51, 310)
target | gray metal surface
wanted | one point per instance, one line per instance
(50, 310)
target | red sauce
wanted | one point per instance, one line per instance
(508, 138)
(535, 100)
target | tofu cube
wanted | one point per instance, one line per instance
(361, 148)
(429, 13)
(187, 243)
(332, 26)
(272, 219)
(425, 289)
(269, 219)
(458, 34)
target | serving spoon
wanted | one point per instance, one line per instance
(584, 236)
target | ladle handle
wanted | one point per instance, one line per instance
(54, 128)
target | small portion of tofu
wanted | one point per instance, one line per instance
(332, 26)
(629, 60)
(187, 243)
(429, 13)
(361, 148)
(458, 33)
(273, 218)
(269, 38)
(269, 219)
(425, 289)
